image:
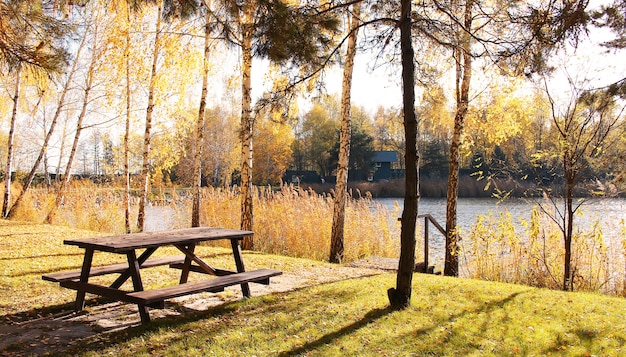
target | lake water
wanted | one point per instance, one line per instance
(610, 212)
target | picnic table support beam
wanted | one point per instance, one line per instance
(84, 278)
(245, 287)
(125, 275)
(133, 269)
(184, 274)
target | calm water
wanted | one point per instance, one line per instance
(610, 212)
(468, 209)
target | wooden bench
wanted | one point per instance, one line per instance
(155, 298)
(113, 268)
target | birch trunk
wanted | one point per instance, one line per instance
(199, 142)
(127, 127)
(247, 127)
(79, 128)
(145, 168)
(339, 211)
(463, 60)
(7, 181)
(55, 118)
(400, 297)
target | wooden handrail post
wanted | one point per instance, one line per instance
(425, 270)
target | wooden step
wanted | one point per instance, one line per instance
(113, 268)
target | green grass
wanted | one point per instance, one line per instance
(447, 317)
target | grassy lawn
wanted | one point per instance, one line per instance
(448, 317)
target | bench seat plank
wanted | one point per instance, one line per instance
(150, 297)
(113, 268)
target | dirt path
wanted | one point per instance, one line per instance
(56, 333)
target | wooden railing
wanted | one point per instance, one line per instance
(431, 219)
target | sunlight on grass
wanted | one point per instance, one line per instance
(448, 317)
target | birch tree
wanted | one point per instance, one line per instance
(339, 213)
(282, 33)
(199, 140)
(59, 110)
(145, 167)
(463, 63)
(9, 166)
(92, 28)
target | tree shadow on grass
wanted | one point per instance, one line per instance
(347, 330)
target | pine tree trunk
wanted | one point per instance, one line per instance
(463, 60)
(400, 297)
(339, 210)
(7, 187)
(199, 142)
(145, 167)
(247, 128)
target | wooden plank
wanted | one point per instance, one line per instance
(112, 269)
(149, 297)
(100, 290)
(198, 269)
(125, 242)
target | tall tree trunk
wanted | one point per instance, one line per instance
(568, 231)
(199, 142)
(7, 186)
(55, 118)
(127, 127)
(247, 126)
(79, 128)
(463, 59)
(145, 167)
(400, 296)
(339, 210)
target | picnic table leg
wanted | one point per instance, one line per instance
(184, 274)
(245, 288)
(84, 277)
(133, 269)
(125, 275)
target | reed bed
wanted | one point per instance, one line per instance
(297, 223)
(494, 249)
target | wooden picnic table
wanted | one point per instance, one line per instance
(184, 240)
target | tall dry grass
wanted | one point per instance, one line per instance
(496, 249)
(298, 223)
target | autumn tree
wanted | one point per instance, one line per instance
(584, 125)
(92, 26)
(282, 33)
(341, 185)
(168, 10)
(199, 139)
(30, 40)
(316, 137)
(272, 149)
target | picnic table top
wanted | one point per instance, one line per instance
(126, 242)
